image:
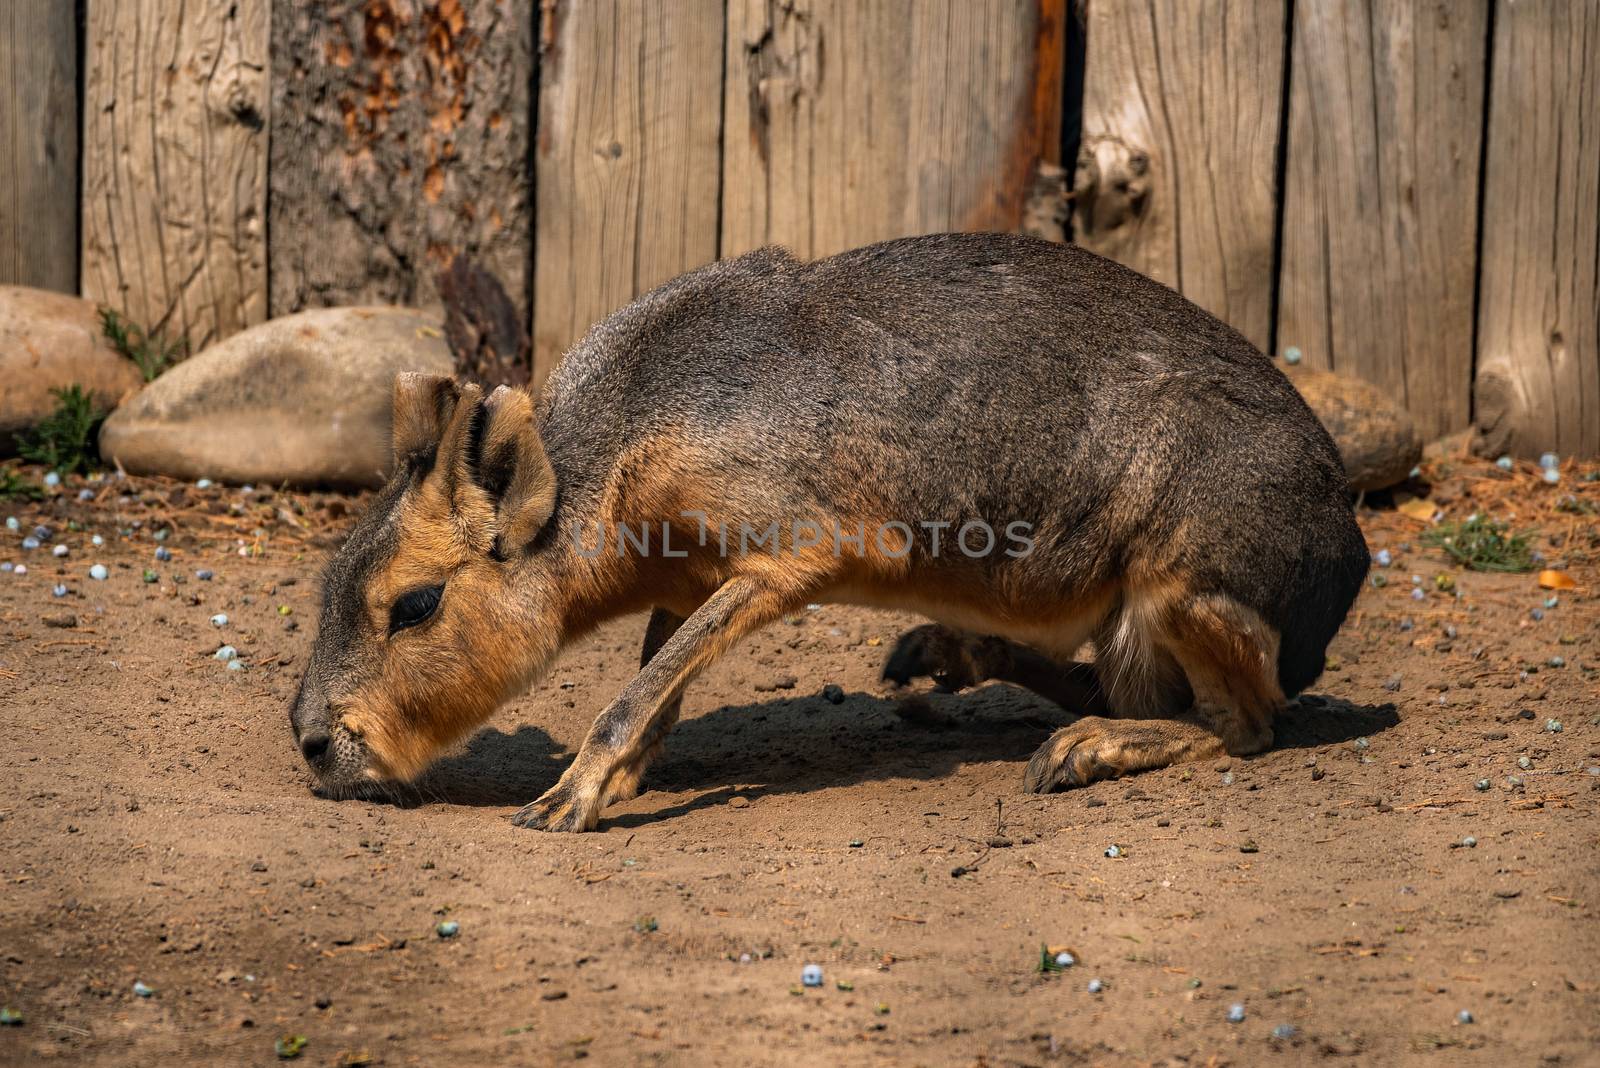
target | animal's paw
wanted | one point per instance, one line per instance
(561, 809)
(938, 653)
(1085, 752)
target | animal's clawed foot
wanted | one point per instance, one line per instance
(560, 810)
(953, 661)
(1097, 748)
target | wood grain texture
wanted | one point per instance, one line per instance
(1176, 175)
(38, 145)
(848, 123)
(400, 138)
(1538, 384)
(1380, 216)
(627, 159)
(175, 163)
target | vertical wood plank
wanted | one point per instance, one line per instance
(175, 163)
(848, 123)
(1538, 383)
(1380, 216)
(627, 160)
(38, 145)
(1176, 175)
(400, 138)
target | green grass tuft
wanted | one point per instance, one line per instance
(64, 441)
(149, 351)
(1481, 544)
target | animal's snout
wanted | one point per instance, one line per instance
(315, 746)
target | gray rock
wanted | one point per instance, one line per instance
(304, 399)
(50, 341)
(1377, 440)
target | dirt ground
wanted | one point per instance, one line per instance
(156, 828)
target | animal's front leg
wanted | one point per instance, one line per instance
(622, 732)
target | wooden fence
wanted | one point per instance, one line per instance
(1403, 190)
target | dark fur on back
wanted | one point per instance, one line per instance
(981, 376)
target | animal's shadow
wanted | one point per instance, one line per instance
(803, 744)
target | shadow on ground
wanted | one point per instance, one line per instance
(802, 744)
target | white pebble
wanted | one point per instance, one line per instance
(1417, 594)
(99, 573)
(1095, 986)
(60, 550)
(52, 479)
(1505, 463)
(226, 652)
(30, 542)
(1236, 1013)
(1464, 1017)
(1065, 960)
(1549, 460)
(219, 620)
(1292, 355)
(1552, 475)
(204, 483)
(12, 524)
(1113, 852)
(811, 975)
(86, 495)
(1384, 558)
(1470, 842)
(97, 541)
(21, 569)
(236, 665)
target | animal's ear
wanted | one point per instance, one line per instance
(493, 470)
(512, 468)
(423, 406)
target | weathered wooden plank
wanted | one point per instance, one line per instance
(1176, 176)
(400, 138)
(848, 123)
(1380, 216)
(38, 145)
(627, 158)
(1538, 384)
(175, 163)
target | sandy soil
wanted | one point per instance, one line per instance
(156, 827)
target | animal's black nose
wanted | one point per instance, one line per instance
(315, 747)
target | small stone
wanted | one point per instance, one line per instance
(811, 975)
(447, 929)
(258, 865)
(236, 665)
(1552, 601)
(1236, 1013)
(204, 483)
(99, 573)
(60, 550)
(86, 494)
(1505, 463)
(1383, 558)
(1096, 986)
(1552, 476)
(52, 479)
(1418, 595)
(1113, 852)
(1524, 763)
(1292, 355)
(41, 533)
(1549, 460)
(219, 620)
(779, 682)
(856, 843)
(12, 523)
(140, 989)
(1465, 1017)
(1227, 778)
(10, 1017)
(1284, 1032)
(1249, 846)
(204, 575)
(1469, 842)
(1536, 614)
(97, 541)
(1553, 726)
(30, 543)
(226, 652)
(1406, 624)
(1481, 785)
(738, 801)
(1558, 661)
(151, 576)
(58, 590)
(1513, 782)
(1065, 959)
(833, 694)
(163, 553)
(20, 569)
(1362, 743)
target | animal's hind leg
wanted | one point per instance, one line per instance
(956, 660)
(1229, 657)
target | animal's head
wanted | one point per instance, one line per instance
(432, 610)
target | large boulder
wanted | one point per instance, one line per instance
(51, 341)
(1377, 440)
(304, 399)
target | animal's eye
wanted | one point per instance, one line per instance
(413, 607)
